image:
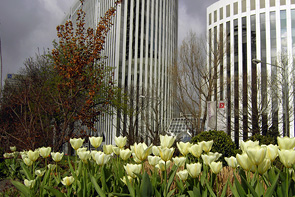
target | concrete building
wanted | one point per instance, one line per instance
(142, 46)
(256, 71)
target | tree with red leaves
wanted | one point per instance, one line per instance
(85, 86)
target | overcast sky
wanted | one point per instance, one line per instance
(29, 25)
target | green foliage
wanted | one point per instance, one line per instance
(222, 143)
(264, 139)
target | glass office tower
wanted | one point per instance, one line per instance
(142, 47)
(255, 76)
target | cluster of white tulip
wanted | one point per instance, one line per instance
(259, 158)
(163, 157)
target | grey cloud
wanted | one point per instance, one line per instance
(27, 25)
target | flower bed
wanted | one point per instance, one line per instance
(151, 170)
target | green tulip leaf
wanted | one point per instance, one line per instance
(55, 192)
(146, 188)
(22, 188)
(223, 194)
(172, 175)
(210, 189)
(271, 189)
(205, 193)
(97, 188)
(26, 171)
(252, 190)
(171, 193)
(239, 187)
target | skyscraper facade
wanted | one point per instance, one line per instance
(141, 46)
(255, 75)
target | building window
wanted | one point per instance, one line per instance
(245, 78)
(263, 73)
(236, 81)
(273, 40)
(255, 125)
(235, 8)
(244, 5)
(262, 3)
(210, 19)
(272, 3)
(221, 61)
(228, 77)
(253, 5)
(283, 32)
(215, 16)
(292, 1)
(228, 11)
(283, 2)
(293, 30)
(221, 13)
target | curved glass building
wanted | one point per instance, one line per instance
(255, 73)
(142, 46)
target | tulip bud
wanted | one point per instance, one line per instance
(264, 166)
(272, 152)
(256, 154)
(182, 175)
(33, 155)
(135, 158)
(179, 161)
(67, 181)
(196, 150)
(23, 154)
(76, 143)
(166, 141)
(121, 141)
(216, 167)
(102, 158)
(45, 152)
(231, 161)
(13, 148)
(286, 143)
(108, 149)
(216, 155)
(130, 179)
(142, 151)
(116, 150)
(155, 151)
(51, 166)
(183, 147)
(133, 169)
(287, 157)
(29, 183)
(162, 165)
(84, 156)
(207, 146)
(244, 161)
(166, 153)
(95, 141)
(82, 149)
(40, 173)
(207, 159)
(153, 160)
(28, 162)
(92, 153)
(57, 157)
(194, 169)
(125, 154)
(249, 143)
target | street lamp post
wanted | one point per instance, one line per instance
(285, 91)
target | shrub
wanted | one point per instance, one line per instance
(222, 143)
(264, 139)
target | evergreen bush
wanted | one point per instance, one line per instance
(222, 143)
